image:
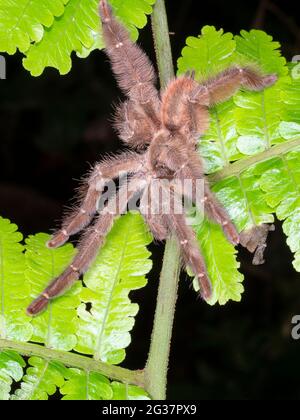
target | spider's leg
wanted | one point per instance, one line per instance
(216, 212)
(156, 226)
(203, 197)
(184, 107)
(104, 171)
(190, 251)
(149, 208)
(133, 69)
(185, 102)
(89, 246)
(224, 85)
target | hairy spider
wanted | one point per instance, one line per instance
(167, 126)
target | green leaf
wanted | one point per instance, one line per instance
(208, 54)
(281, 185)
(23, 22)
(14, 291)
(49, 31)
(128, 392)
(41, 380)
(78, 29)
(56, 327)
(82, 385)
(73, 31)
(259, 114)
(221, 263)
(291, 97)
(257, 47)
(119, 268)
(218, 145)
(289, 130)
(250, 145)
(247, 125)
(133, 13)
(11, 368)
(243, 198)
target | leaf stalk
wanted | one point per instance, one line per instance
(88, 364)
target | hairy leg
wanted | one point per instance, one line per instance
(197, 190)
(216, 212)
(190, 251)
(149, 208)
(224, 85)
(156, 226)
(130, 64)
(88, 247)
(82, 215)
(184, 107)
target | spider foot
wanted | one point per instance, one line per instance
(255, 81)
(270, 79)
(231, 232)
(205, 286)
(58, 239)
(105, 11)
(38, 305)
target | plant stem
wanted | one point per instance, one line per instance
(162, 44)
(135, 377)
(157, 364)
(158, 358)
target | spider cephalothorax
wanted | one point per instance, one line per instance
(164, 129)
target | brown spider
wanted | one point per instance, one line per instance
(170, 124)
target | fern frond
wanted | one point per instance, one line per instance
(243, 198)
(41, 380)
(218, 146)
(23, 22)
(221, 263)
(128, 392)
(74, 31)
(281, 185)
(49, 31)
(291, 97)
(14, 292)
(66, 324)
(119, 268)
(81, 385)
(211, 52)
(247, 125)
(257, 47)
(11, 369)
(259, 114)
(55, 327)
(84, 385)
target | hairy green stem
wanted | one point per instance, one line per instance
(158, 358)
(162, 44)
(157, 364)
(135, 377)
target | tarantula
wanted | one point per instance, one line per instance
(163, 128)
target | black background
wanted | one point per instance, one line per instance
(53, 127)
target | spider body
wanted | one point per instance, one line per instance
(163, 129)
